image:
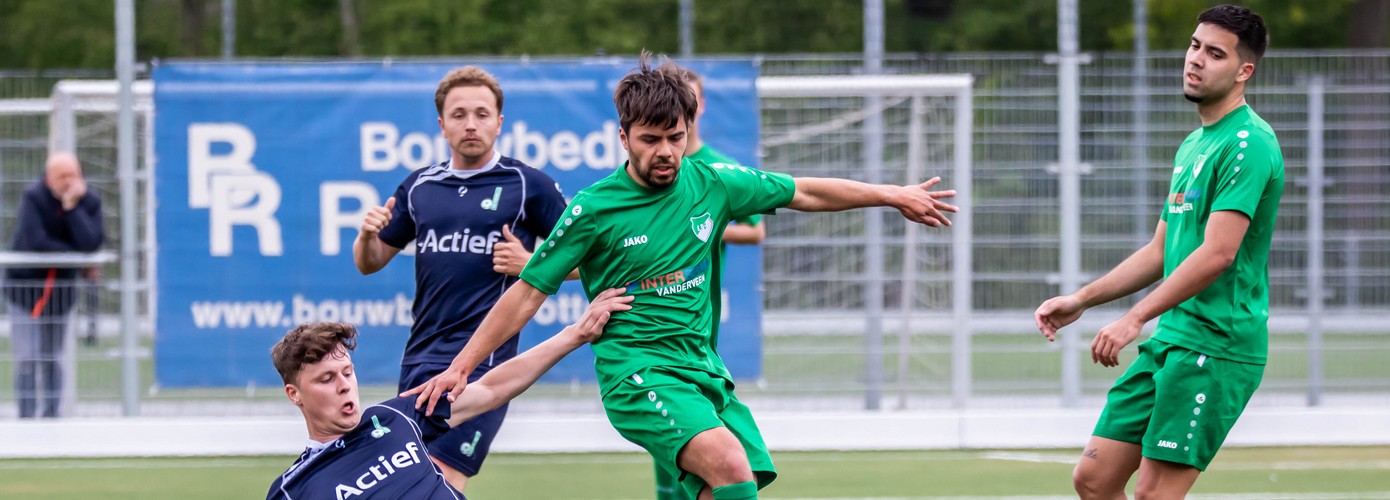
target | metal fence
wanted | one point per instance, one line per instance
(1331, 111)
(1130, 128)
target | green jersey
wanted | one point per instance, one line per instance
(708, 156)
(1233, 164)
(657, 243)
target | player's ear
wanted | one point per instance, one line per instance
(1247, 71)
(292, 392)
(622, 137)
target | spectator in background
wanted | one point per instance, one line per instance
(56, 214)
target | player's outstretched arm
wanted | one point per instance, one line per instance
(369, 253)
(917, 203)
(506, 318)
(1225, 230)
(510, 379)
(1141, 269)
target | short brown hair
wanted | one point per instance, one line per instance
(467, 76)
(309, 343)
(654, 96)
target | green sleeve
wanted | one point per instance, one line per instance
(1244, 175)
(752, 191)
(563, 250)
(751, 220)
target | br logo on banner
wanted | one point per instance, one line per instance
(231, 188)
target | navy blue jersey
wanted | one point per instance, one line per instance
(455, 221)
(383, 457)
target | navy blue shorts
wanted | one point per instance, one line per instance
(464, 447)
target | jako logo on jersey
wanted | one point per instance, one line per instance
(1167, 444)
(634, 240)
(458, 243)
(462, 191)
(374, 475)
(491, 204)
(702, 225)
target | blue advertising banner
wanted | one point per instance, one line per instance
(265, 171)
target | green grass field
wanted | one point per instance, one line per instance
(1238, 473)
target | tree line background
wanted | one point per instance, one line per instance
(40, 34)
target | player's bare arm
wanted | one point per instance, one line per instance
(513, 310)
(745, 234)
(1141, 269)
(368, 251)
(510, 256)
(1224, 232)
(917, 203)
(510, 379)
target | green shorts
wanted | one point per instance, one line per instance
(660, 409)
(1178, 405)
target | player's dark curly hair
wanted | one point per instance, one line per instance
(657, 96)
(309, 343)
(1247, 26)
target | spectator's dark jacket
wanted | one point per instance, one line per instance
(45, 227)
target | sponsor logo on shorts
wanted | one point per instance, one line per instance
(1163, 443)
(469, 448)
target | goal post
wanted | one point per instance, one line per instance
(840, 105)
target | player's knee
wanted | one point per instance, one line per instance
(1090, 485)
(730, 467)
(1152, 490)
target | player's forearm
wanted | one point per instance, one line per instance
(1195, 274)
(506, 318)
(370, 254)
(833, 195)
(1139, 270)
(744, 234)
(510, 379)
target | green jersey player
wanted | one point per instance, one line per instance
(1167, 415)
(648, 227)
(741, 231)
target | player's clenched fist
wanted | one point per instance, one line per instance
(509, 256)
(377, 218)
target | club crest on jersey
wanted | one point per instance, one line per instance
(491, 204)
(702, 225)
(379, 429)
